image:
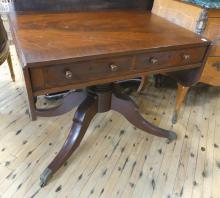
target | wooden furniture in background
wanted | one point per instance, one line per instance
(205, 22)
(93, 55)
(4, 49)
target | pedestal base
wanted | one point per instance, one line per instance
(94, 100)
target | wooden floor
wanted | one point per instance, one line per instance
(115, 159)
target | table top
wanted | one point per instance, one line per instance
(54, 38)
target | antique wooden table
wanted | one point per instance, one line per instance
(93, 51)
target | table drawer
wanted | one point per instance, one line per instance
(170, 58)
(86, 71)
(55, 76)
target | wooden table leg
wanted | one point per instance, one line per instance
(181, 94)
(9, 60)
(143, 84)
(158, 80)
(125, 105)
(83, 116)
(101, 99)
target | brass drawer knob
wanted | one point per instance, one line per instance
(154, 60)
(68, 74)
(114, 68)
(186, 56)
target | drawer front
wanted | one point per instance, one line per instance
(82, 72)
(211, 73)
(86, 71)
(162, 60)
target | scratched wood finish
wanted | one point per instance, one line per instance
(92, 35)
(112, 161)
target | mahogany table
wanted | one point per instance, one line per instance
(91, 52)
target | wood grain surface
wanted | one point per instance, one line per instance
(52, 38)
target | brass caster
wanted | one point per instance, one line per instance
(45, 176)
(175, 118)
(172, 136)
